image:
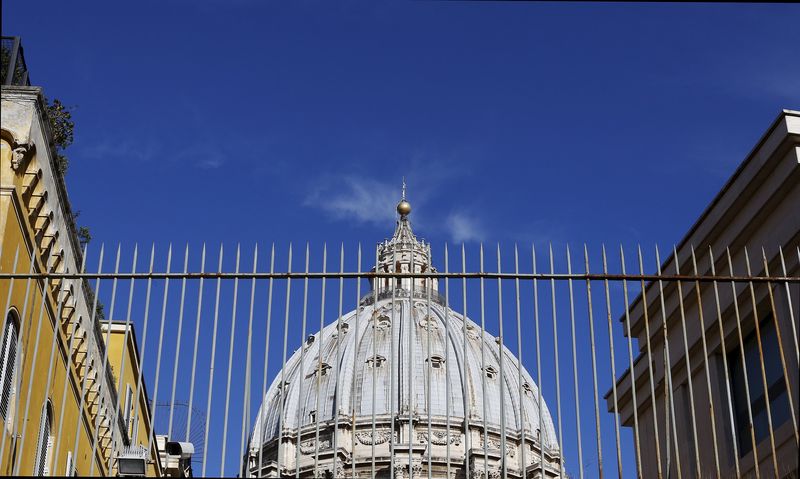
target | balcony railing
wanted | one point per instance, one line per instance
(13, 69)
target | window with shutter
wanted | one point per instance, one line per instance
(44, 443)
(68, 470)
(8, 361)
(127, 409)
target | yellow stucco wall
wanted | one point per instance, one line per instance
(38, 321)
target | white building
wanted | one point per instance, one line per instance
(706, 431)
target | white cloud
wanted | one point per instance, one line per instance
(463, 228)
(349, 197)
(209, 163)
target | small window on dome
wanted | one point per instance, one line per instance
(312, 415)
(383, 322)
(491, 372)
(310, 340)
(376, 361)
(528, 389)
(344, 327)
(283, 389)
(436, 361)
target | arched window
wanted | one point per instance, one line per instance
(8, 361)
(44, 444)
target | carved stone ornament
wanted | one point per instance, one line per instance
(366, 437)
(308, 447)
(19, 153)
(511, 451)
(439, 438)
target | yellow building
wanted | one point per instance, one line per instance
(57, 399)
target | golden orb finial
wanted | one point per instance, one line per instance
(404, 208)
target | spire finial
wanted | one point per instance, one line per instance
(404, 207)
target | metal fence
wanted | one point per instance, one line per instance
(13, 70)
(645, 366)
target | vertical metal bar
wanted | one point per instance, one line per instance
(178, 342)
(705, 364)
(262, 416)
(196, 338)
(102, 372)
(21, 319)
(668, 389)
(160, 344)
(375, 288)
(339, 340)
(467, 405)
(246, 399)
(631, 366)
(575, 365)
(86, 360)
(394, 397)
(411, 397)
(483, 378)
(650, 364)
(283, 390)
(734, 441)
(230, 363)
(447, 352)
(124, 342)
(735, 297)
(687, 363)
(211, 364)
(558, 373)
(319, 355)
(140, 371)
(789, 304)
(501, 357)
(523, 459)
(353, 385)
(428, 385)
(613, 363)
(756, 322)
(302, 364)
(780, 349)
(539, 370)
(594, 366)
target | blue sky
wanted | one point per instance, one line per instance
(226, 122)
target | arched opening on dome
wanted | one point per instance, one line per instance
(490, 371)
(344, 327)
(528, 389)
(376, 361)
(383, 322)
(436, 361)
(321, 369)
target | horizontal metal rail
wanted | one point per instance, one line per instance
(368, 275)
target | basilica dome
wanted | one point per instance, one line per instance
(401, 380)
